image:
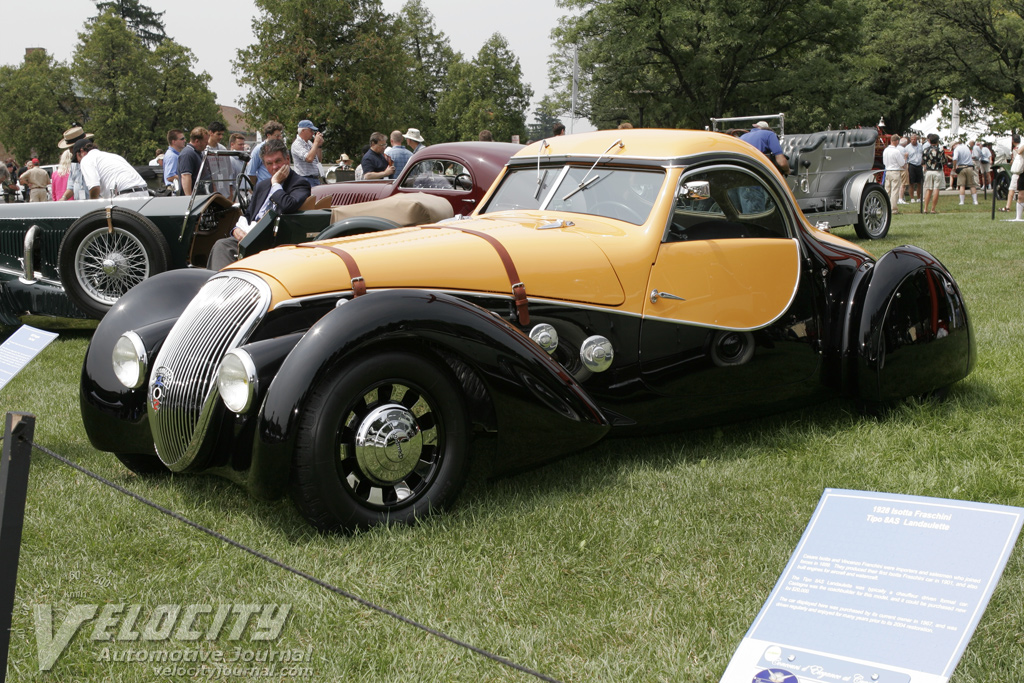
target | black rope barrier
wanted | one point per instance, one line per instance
(298, 572)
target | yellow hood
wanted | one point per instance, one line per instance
(552, 263)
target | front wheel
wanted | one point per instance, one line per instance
(101, 258)
(875, 214)
(382, 440)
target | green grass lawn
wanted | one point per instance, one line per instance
(637, 560)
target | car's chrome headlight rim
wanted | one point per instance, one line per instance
(130, 360)
(237, 381)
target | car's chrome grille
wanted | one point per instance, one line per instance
(183, 380)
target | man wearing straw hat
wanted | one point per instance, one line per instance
(76, 183)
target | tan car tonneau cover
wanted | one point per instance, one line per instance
(413, 208)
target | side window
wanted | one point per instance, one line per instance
(724, 203)
(439, 174)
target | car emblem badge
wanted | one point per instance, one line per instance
(158, 388)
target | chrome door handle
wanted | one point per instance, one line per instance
(469, 201)
(664, 295)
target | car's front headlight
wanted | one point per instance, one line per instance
(236, 380)
(130, 360)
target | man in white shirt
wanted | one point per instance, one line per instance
(894, 162)
(914, 170)
(106, 174)
(963, 167)
(306, 152)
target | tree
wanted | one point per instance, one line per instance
(984, 44)
(677, 63)
(183, 97)
(132, 96)
(335, 62)
(487, 93)
(140, 19)
(545, 117)
(113, 70)
(37, 104)
(430, 57)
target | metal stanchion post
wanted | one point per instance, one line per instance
(19, 429)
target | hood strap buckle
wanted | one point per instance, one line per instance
(356, 278)
(518, 288)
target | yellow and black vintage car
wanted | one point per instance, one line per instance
(622, 281)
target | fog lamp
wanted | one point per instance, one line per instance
(545, 336)
(596, 353)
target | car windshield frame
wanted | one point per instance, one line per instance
(608, 191)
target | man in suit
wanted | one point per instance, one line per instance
(284, 192)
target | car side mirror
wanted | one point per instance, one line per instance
(696, 190)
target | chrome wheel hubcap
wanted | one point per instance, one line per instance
(388, 443)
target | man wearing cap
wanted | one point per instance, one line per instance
(36, 180)
(306, 151)
(415, 140)
(766, 141)
(106, 174)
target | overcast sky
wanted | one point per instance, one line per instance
(214, 30)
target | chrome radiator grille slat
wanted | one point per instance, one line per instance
(183, 383)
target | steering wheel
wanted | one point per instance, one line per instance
(244, 192)
(459, 185)
(613, 209)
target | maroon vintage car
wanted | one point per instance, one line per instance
(461, 172)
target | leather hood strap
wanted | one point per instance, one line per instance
(518, 288)
(358, 284)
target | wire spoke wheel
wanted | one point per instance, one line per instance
(108, 264)
(107, 252)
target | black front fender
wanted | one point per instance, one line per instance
(912, 332)
(114, 415)
(535, 400)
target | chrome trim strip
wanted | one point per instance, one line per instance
(38, 277)
(28, 266)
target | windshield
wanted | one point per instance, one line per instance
(623, 194)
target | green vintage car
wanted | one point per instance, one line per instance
(74, 259)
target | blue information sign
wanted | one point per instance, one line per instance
(20, 348)
(882, 587)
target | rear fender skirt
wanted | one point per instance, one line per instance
(912, 333)
(854, 188)
(115, 416)
(536, 401)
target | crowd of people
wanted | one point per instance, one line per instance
(910, 164)
(182, 165)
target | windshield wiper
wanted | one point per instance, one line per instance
(540, 178)
(588, 180)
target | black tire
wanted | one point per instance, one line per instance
(339, 486)
(875, 214)
(1001, 185)
(97, 265)
(144, 464)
